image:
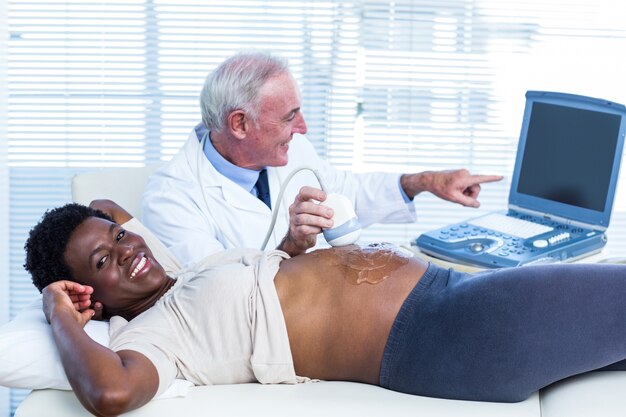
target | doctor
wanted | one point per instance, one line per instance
(252, 127)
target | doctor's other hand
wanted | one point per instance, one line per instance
(457, 186)
(306, 220)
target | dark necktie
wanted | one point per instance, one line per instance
(263, 188)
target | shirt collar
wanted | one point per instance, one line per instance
(244, 177)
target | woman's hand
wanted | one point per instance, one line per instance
(68, 297)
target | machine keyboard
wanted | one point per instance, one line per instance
(510, 225)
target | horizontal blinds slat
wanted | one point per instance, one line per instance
(4, 185)
(8, 398)
(33, 191)
(176, 75)
(17, 396)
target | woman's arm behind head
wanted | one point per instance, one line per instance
(114, 210)
(107, 383)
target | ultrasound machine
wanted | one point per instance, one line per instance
(561, 194)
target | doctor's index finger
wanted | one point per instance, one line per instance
(479, 179)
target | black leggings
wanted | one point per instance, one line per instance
(501, 335)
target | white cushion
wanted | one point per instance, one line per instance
(601, 393)
(125, 186)
(320, 399)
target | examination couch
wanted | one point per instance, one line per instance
(592, 394)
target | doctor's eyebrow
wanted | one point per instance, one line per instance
(292, 113)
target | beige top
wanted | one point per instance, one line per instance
(221, 323)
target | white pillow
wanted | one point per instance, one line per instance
(28, 355)
(30, 358)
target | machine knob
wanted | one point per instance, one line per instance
(476, 247)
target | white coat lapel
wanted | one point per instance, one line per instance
(218, 186)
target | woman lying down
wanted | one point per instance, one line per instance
(369, 314)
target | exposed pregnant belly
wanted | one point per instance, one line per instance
(339, 305)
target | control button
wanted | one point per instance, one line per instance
(558, 238)
(476, 247)
(503, 253)
(540, 243)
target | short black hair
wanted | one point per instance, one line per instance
(48, 240)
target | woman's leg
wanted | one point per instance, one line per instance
(501, 335)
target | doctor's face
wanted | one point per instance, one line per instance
(115, 262)
(279, 117)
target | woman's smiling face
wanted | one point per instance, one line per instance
(116, 263)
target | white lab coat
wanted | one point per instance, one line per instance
(195, 223)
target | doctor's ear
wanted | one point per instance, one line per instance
(238, 123)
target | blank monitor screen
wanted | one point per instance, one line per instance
(568, 155)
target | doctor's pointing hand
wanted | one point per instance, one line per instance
(219, 191)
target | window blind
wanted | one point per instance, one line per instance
(401, 86)
(441, 85)
(4, 198)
